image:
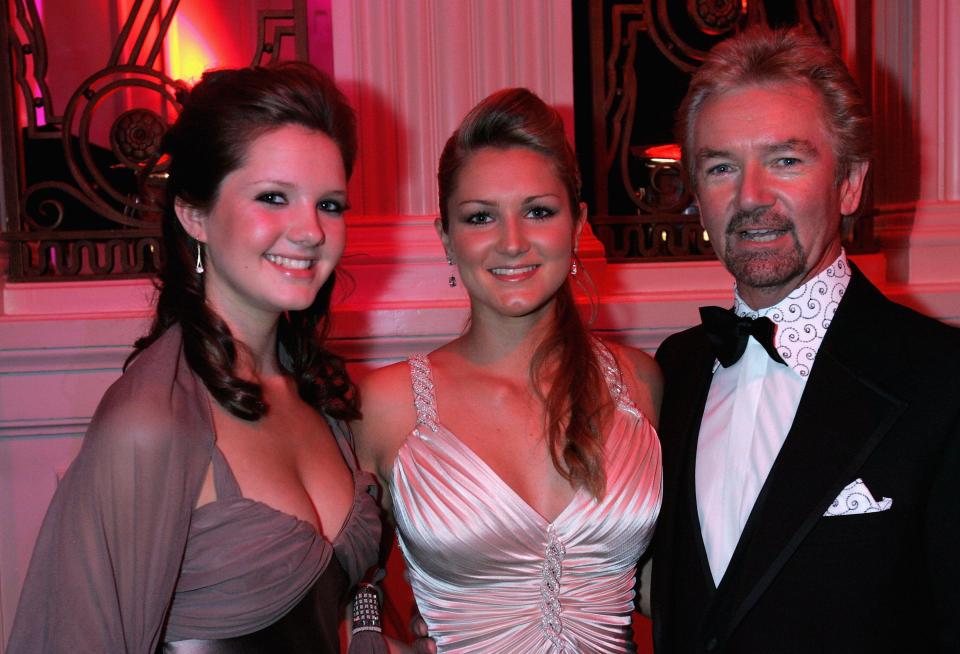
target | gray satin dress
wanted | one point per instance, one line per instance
(125, 562)
(492, 575)
(266, 581)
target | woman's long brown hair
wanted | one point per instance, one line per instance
(221, 116)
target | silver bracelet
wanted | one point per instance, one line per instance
(366, 609)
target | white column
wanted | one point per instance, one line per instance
(412, 69)
(939, 91)
(917, 101)
(935, 241)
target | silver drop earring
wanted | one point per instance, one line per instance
(452, 280)
(199, 266)
(573, 267)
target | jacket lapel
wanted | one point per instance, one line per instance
(841, 417)
(688, 481)
(686, 387)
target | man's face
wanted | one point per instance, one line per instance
(765, 176)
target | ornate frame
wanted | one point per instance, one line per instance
(123, 196)
(663, 223)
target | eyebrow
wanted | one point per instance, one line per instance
(794, 145)
(711, 153)
(526, 200)
(273, 182)
(283, 184)
(790, 145)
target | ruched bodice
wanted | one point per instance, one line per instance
(489, 573)
(247, 564)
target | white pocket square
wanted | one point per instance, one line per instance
(856, 499)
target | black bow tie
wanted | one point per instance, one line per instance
(728, 334)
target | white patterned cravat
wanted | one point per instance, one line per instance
(802, 318)
(750, 407)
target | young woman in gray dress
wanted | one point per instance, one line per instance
(521, 457)
(215, 505)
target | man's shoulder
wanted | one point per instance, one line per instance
(678, 348)
(925, 341)
(893, 343)
(919, 324)
(872, 309)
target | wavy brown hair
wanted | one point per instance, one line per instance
(578, 393)
(220, 117)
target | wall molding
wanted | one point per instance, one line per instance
(10, 429)
(411, 79)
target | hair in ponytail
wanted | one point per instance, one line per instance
(578, 393)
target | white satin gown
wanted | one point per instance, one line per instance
(489, 573)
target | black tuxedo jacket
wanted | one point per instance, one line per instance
(883, 404)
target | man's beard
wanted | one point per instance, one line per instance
(763, 268)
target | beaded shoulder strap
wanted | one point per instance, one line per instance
(611, 372)
(424, 397)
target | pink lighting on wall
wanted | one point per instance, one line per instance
(201, 36)
(188, 51)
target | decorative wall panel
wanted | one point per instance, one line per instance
(84, 179)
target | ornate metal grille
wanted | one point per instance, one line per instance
(101, 216)
(641, 55)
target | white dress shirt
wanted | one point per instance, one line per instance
(750, 407)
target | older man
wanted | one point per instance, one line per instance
(811, 436)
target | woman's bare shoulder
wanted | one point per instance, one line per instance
(389, 414)
(386, 383)
(642, 376)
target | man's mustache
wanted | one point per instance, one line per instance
(761, 218)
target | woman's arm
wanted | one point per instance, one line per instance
(389, 416)
(108, 555)
(643, 379)
(107, 559)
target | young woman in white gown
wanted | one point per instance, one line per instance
(520, 460)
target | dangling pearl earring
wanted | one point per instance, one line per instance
(573, 267)
(453, 280)
(199, 266)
